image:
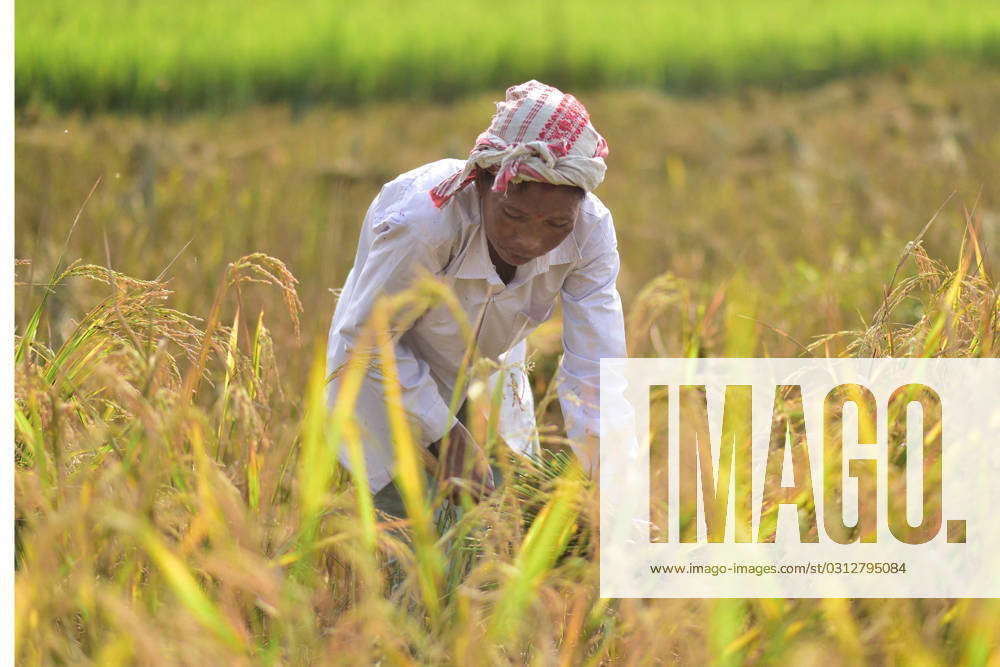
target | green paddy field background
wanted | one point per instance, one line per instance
(134, 54)
(787, 178)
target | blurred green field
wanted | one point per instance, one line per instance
(176, 498)
(119, 54)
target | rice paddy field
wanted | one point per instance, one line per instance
(177, 496)
(121, 54)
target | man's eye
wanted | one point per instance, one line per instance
(560, 224)
(512, 214)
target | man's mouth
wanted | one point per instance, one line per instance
(515, 257)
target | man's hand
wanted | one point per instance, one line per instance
(465, 454)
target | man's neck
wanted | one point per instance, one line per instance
(504, 270)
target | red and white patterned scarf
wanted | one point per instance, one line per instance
(540, 134)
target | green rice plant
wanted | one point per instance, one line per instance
(550, 531)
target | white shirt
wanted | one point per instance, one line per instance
(403, 233)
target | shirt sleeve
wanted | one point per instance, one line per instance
(593, 328)
(397, 255)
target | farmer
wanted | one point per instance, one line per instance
(508, 230)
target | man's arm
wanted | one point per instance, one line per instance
(397, 254)
(593, 327)
(393, 256)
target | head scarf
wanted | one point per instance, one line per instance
(538, 133)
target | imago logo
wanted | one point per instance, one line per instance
(787, 457)
(799, 477)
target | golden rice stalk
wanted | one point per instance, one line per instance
(545, 541)
(253, 268)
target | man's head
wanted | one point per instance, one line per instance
(538, 134)
(529, 218)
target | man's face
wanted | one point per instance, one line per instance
(529, 220)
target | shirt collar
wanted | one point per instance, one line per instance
(476, 262)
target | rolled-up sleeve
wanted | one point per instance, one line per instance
(593, 328)
(392, 255)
